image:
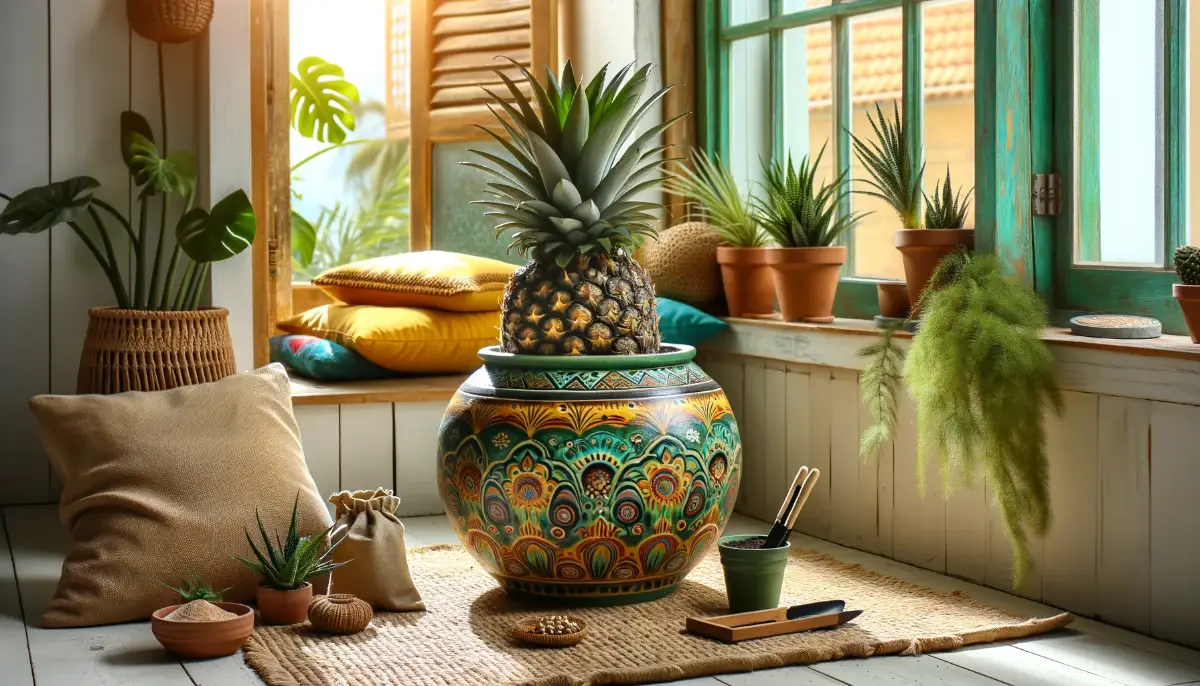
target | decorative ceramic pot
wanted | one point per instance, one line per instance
(922, 250)
(591, 480)
(749, 286)
(806, 281)
(203, 640)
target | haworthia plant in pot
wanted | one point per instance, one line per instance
(1187, 265)
(982, 379)
(802, 216)
(285, 569)
(895, 176)
(749, 286)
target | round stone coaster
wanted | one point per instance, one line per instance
(1115, 326)
(882, 322)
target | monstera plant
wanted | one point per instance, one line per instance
(157, 336)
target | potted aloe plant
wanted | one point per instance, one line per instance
(285, 570)
(802, 217)
(1187, 265)
(745, 276)
(895, 177)
(158, 336)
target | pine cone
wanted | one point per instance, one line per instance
(1187, 264)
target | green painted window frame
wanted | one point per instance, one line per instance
(1095, 288)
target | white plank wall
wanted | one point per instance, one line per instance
(1125, 488)
(80, 67)
(377, 445)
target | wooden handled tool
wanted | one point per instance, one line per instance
(802, 487)
(781, 620)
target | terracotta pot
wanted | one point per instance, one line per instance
(922, 250)
(1189, 302)
(201, 640)
(893, 299)
(806, 281)
(143, 350)
(284, 607)
(749, 287)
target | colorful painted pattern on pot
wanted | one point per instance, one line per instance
(590, 500)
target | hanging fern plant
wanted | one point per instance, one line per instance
(981, 377)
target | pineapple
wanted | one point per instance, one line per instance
(567, 197)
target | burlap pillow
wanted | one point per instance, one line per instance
(158, 486)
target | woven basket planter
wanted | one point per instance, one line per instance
(137, 350)
(169, 21)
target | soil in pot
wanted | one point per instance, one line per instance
(1189, 302)
(893, 299)
(284, 607)
(199, 632)
(922, 250)
(753, 575)
(806, 281)
(746, 278)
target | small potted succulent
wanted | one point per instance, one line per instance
(1187, 265)
(895, 177)
(284, 571)
(803, 219)
(202, 626)
(745, 276)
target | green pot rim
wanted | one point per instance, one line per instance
(671, 354)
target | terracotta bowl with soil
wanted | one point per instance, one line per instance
(203, 639)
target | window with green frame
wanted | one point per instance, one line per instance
(1094, 90)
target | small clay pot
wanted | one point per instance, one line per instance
(1189, 302)
(893, 299)
(806, 281)
(922, 250)
(202, 640)
(340, 613)
(284, 607)
(749, 287)
(753, 576)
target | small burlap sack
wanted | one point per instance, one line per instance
(372, 546)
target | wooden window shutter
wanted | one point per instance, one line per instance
(399, 80)
(455, 44)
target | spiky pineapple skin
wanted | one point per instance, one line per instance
(599, 304)
(1187, 264)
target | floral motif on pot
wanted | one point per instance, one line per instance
(573, 484)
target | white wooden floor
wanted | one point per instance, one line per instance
(32, 545)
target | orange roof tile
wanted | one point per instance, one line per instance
(877, 63)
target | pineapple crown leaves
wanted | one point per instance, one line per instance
(576, 165)
(1187, 264)
(195, 589)
(947, 209)
(708, 182)
(288, 564)
(895, 176)
(798, 214)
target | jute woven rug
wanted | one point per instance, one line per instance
(463, 637)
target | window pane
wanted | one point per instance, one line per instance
(876, 75)
(949, 90)
(356, 197)
(461, 226)
(749, 109)
(742, 11)
(807, 96)
(1119, 161)
(1193, 127)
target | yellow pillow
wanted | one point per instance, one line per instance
(403, 339)
(430, 278)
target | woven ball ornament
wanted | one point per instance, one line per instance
(340, 613)
(169, 21)
(683, 264)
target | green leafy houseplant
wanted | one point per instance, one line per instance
(895, 174)
(195, 589)
(289, 565)
(796, 213)
(710, 184)
(981, 377)
(946, 209)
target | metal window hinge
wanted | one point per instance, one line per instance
(1047, 195)
(273, 256)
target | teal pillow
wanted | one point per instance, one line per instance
(323, 360)
(686, 325)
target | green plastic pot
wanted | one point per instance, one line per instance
(753, 578)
